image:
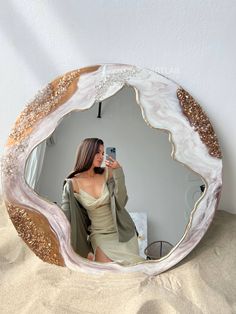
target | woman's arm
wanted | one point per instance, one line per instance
(116, 171)
(120, 187)
(65, 203)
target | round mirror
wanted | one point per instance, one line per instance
(164, 142)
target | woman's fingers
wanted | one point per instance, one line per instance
(112, 163)
(108, 163)
(111, 158)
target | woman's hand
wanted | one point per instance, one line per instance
(112, 163)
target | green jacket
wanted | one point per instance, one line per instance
(79, 220)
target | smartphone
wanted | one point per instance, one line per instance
(111, 151)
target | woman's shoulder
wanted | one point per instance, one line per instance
(74, 184)
(67, 186)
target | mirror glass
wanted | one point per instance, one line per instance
(162, 192)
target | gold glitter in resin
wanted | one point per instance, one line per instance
(45, 102)
(35, 230)
(199, 120)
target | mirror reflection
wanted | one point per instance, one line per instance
(161, 192)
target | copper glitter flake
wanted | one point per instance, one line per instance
(199, 120)
(34, 229)
(46, 101)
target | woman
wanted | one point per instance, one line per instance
(94, 200)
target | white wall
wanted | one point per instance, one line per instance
(155, 183)
(192, 42)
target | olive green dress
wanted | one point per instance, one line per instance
(103, 232)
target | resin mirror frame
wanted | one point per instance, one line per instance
(164, 105)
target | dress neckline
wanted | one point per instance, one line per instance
(96, 198)
(102, 190)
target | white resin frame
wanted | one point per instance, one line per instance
(161, 109)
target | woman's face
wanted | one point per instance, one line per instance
(98, 158)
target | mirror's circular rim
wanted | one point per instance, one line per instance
(164, 105)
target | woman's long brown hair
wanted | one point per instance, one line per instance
(85, 156)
